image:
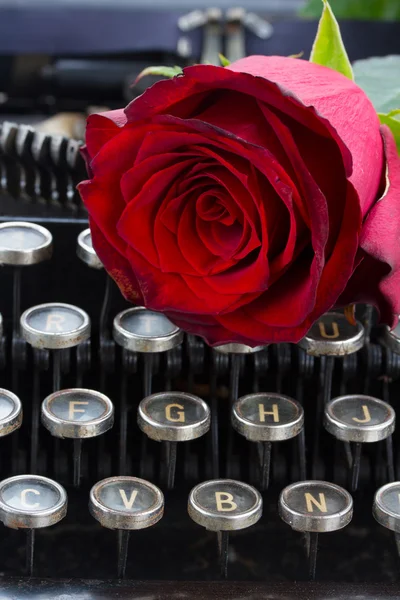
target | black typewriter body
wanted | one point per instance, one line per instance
(176, 558)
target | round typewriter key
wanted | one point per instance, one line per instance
(331, 336)
(126, 503)
(359, 419)
(24, 243)
(77, 413)
(173, 417)
(55, 326)
(31, 502)
(21, 244)
(315, 507)
(224, 505)
(140, 330)
(10, 412)
(386, 509)
(267, 418)
(85, 250)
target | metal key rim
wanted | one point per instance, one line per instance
(87, 253)
(366, 434)
(383, 515)
(55, 341)
(118, 519)
(259, 432)
(172, 432)
(233, 348)
(296, 519)
(14, 419)
(20, 519)
(137, 343)
(332, 347)
(205, 517)
(77, 429)
(12, 257)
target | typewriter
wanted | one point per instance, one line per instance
(135, 461)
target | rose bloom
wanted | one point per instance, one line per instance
(246, 201)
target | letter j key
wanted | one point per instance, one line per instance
(361, 419)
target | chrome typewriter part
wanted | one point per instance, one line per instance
(138, 463)
(147, 429)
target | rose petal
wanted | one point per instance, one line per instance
(377, 278)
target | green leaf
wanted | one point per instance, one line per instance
(225, 62)
(379, 77)
(328, 48)
(392, 120)
(168, 72)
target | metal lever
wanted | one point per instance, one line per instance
(237, 21)
(211, 21)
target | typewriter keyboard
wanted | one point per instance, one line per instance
(132, 452)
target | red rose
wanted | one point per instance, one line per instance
(244, 202)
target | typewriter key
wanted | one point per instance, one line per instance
(140, 330)
(315, 507)
(77, 414)
(224, 505)
(24, 243)
(331, 336)
(125, 503)
(86, 252)
(31, 502)
(267, 418)
(10, 412)
(386, 509)
(360, 419)
(172, 417)
(55, 326)
(21, 244)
